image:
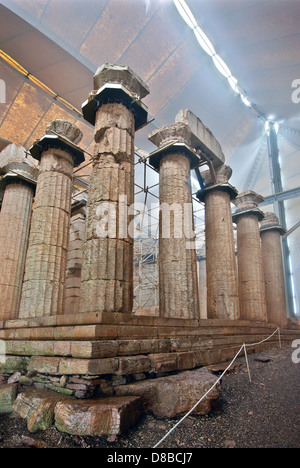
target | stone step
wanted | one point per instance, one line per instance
(129, 365)
(114, 348)
(131, 331)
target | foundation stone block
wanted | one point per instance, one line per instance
(37, 407)
(168, 397)
(111, 416)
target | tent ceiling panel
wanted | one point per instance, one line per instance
(63, 42)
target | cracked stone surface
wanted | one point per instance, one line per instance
(250, 267)
(44, 280)
(177, 261)
(16, 206)
(221, 267)
(107, 270)
(273, 269)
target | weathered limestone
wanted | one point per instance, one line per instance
(116, 111)
(203, 137)
(75, 252)
(270, 232)
(250, 266)
(202, 285)
(37, 407)
(18, 181)
(221, 268)
(178, 288)
(168, 397)
(111, 416)
(8, 394)
(44, 280)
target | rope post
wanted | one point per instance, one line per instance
(248, 368)
(279, 337)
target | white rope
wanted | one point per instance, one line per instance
(266, 339)
(202, 398)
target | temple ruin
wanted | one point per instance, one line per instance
(67, 269)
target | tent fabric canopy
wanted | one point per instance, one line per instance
(63, 42)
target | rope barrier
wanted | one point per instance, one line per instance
(243, 347)
(199, 401)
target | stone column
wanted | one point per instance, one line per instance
(270, 232)
(18, 182)
(178, 288)
(44, 280)
(75, 252)
(221, 268)
(115, 108)
(202, 285)
(250, 267)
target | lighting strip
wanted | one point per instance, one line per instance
(207, 46)
(14, 64)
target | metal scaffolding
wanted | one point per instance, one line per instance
(146, 228)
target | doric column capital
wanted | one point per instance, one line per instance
(271, 223)
(189, 136)
(247, 204)
(63, 135)
(218, 180)
(115, 83)
(223, 187)
(17, 167)
(173, 139)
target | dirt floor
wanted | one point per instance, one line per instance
(261, 414)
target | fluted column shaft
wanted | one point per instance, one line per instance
(274, 278)
(250, 269)
(177, 262)
(15, 218)
(107, 269)
(221, 268)
(44, 280)
(74, 262)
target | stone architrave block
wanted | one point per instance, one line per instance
(168, 397)
(111, 416)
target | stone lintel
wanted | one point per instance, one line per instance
(250, 211)
(201, 194)
(57, 142)
(271, 223)
(204, 138)
(114, 92)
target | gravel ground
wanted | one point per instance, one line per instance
(261, 414)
